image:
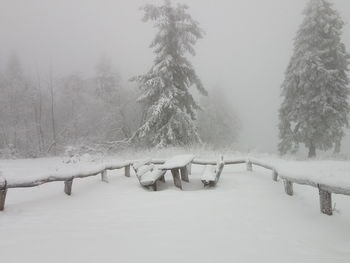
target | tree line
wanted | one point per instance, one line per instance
(171, 106)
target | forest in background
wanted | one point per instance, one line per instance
(46, 115)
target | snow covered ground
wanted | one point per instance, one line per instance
(246, 218)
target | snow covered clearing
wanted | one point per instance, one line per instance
(246, 218)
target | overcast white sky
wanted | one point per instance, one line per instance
(246, 49)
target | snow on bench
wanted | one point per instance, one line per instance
(148, 174)
(211, 173)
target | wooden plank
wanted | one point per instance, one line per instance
(176, 177)
(326, 202)
(184, 174)
(68, 187)
(203, 162)
(104, 176)
(226, 162)
(238, 161)
(3, 193)
(288, 187)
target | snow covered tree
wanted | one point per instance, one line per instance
(315, 109)
(170, 109)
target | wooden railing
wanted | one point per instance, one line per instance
(67, 179)
(325, 191)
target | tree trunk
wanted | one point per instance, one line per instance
(312, 151)
(53, 114)
(337, 147)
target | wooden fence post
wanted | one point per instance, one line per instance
(3, 192)
(104, 176)
(274, 175)
(68, 187)
(249, 166)
(288, 187)
(127, 170)
(325, 202)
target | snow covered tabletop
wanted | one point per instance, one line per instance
(177, 162)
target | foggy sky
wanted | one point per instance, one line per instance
(245, 50)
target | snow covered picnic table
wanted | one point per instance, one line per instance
(178, 164)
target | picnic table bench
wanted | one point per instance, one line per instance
(148, 174)
(211, 173)
(178, 165)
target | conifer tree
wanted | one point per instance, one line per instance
(170, 109)
(315, 108)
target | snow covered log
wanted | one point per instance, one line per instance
(203, 162)
(68, 187)
(235, 161)
(67, 176)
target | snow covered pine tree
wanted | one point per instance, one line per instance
(169, 117)
(315, 109)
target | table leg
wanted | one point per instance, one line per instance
(184, 174)
(176, 177)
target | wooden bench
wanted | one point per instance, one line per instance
(211, 173)
(148, 174)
